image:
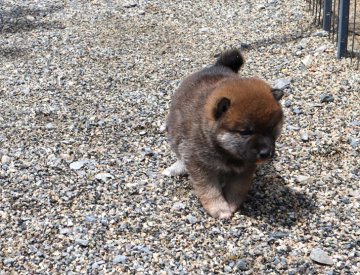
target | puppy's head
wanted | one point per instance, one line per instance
(245, 118)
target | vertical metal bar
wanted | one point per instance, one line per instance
(353, 34)
(333, 21)
(343, 28)
(327, 15)
(337, 20)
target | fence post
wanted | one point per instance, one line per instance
(327, 15)
(343, 28)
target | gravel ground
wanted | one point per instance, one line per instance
(84, 91)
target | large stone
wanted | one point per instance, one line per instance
(320, 256)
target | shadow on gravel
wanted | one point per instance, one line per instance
(12, 52)
(274, 203)
(22, 19)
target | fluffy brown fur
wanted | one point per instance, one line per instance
(220, 126)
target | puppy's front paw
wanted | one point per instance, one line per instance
(177, 169)
(225, 215)
(219, 210)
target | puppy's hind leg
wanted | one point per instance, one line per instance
(177, 169)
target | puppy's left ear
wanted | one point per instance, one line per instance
(277, 93)
(222, 106)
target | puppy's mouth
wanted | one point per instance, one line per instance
(262, 160)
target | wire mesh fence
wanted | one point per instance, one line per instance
(340, 18)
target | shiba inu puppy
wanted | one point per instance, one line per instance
(220, 126)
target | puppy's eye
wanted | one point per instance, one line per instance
(246, 132)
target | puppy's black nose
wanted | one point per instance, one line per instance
(265, 153)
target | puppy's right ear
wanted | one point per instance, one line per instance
(277, 93)
(221, 108)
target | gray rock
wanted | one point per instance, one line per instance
(5, 159)
(297, 111)
(303, 43)
(321, 257)
(303, 179)
(65, 231)
(82, 242)
(104, 176)
(162, 128)
(293, 128)
(9, 261)
(49, 126)
(76, 165)
(355, 123)
(191, 219)
(242, 265)
(245, 46)
(326, 98)
(279, 235)
(354, 142)
(178, 206)
(320, 33)
(354, 193)
(90, 219)
(287, 103)
(129, 4)
(321, 48)
(304, 135)
(203, 30)
(307, 60)
(26, 91)
(282, 83)
(97, 264)
(104, 222)
(120, 259)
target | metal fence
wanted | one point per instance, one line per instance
(339, 18)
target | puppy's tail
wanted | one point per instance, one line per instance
(231, 59)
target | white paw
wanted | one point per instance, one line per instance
(177, 169)
(224, 214)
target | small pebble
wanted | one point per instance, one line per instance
(287, 103)
(321, 48)
(129, 4)
(82, 242)
(191, 219)
(307, 60)
(120, 259)
(321, 257)
(326, 98)
(320, 33)
(304, 135)
(104, 176)
(90, 219)
(282, 83)
(297, 111)
(303, 179)
(9, 261)
(178, 206)
(242, 265)
(5, 159)
(77, 164)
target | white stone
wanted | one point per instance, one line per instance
(321, 257)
